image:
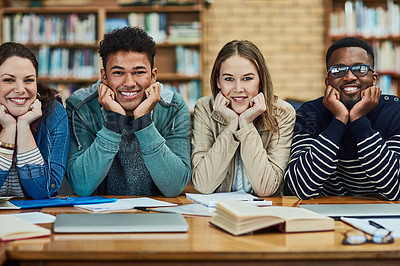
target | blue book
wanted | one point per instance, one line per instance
(115, 23)
(58, 202)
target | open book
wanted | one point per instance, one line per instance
(13, 228)
(237, 217)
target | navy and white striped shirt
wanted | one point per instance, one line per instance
(360, 158)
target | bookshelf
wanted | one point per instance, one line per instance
(377, 22)
(65, 41)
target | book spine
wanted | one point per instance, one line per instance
(190, 91)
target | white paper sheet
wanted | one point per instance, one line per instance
(5, 198)
(33, 217)
(392, 224)
(189, 209)
(125, 204)
(211, 200)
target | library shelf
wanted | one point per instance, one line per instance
(179, 57)
(378, 23)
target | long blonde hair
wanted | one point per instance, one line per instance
(249, 50)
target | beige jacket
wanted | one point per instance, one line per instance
(264, 155)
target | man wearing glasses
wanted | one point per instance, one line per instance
(347, 142)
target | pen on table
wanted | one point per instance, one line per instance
(258, 199)
(379, 226)
(142, 209)
(375, 224)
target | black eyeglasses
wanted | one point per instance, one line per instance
(358, 70)
(355, 237)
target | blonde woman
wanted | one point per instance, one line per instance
(242, 134)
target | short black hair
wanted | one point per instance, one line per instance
(129, 39)
(350, 42)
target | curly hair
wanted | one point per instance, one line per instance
(132, 39)
(249, 50)
(47, 95)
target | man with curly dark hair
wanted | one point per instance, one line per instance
(129, 136)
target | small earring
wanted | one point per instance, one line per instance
(37, 95)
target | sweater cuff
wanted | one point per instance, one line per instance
(114, 121)
(30, 157)
(361, 128)
(335, 131)
(149, 137)
(141, 122)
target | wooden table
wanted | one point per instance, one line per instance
(205, 244)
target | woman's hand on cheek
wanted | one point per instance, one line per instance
(221, 106)
(6, 120)
(257, 107)
(34, 112)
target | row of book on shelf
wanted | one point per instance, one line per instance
(187, 60)
(64, 63)
(387, 56)
(190, 91)
(357, 18)
(81, 29)
(81, 63)
(155, 24)
(36, 28)
(388, 85)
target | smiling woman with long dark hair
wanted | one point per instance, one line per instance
(34, 136)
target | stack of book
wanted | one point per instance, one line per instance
(184, 32)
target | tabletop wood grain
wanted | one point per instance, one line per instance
(204, 243)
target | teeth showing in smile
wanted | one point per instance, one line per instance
(238, 98)
(18, 100)
(350, 89)
(129, 93)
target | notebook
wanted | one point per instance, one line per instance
(120, 223)
(355, 210)
(53, 202)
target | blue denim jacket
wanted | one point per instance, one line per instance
(52, 139)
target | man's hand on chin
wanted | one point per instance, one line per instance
(332, 102)
(152, 98)
(107, 99)
(369, 100)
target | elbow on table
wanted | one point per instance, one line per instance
(172, 192)
(203, 189)
(305, 197)
(82, 190)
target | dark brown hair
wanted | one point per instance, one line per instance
(46, 95)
